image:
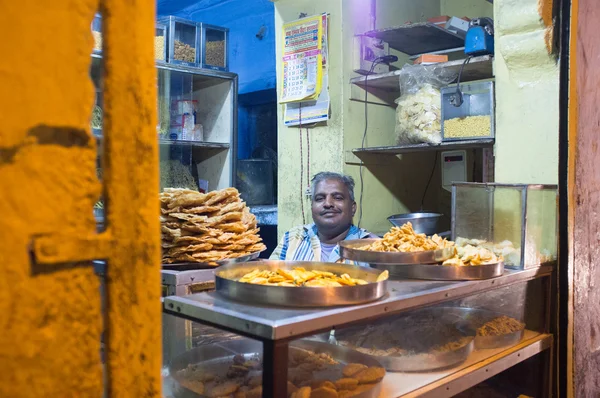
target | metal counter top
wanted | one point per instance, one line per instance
(279, 323)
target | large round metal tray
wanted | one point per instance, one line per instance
(349, 250)
(219, 356)
(226, 283)
(424, 336)
(210, 265)
(443, 272)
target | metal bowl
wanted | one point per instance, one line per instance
(423, 223)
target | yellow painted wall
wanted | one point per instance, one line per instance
(395, 184)
(325, 141)
(391, 184)
(466, 8)
(526, 96)
(50, 310)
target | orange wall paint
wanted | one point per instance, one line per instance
(50, 313)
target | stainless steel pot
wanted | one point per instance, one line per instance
(423, 223)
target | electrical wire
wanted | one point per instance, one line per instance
(459, 95)
(429, 181)
(360, 170)
(301, 164)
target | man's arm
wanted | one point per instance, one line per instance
(281, 250)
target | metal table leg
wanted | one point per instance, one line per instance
(275, 367)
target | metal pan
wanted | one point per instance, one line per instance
(218, 357)
(349, 249)
(226, 283)
(211, 265)
(420, 334)
(443, 272)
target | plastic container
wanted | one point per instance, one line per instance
(517, 221)
(214, 48)
(97, 33)
(160, 43)
(474, 119)
(183, 41)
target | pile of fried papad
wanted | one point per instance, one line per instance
(205, 228)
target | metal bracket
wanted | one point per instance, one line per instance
(70, 248)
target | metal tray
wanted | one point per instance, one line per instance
(413, 329)
(219, 357)
(227, 285)
(211, 265)
(349, 251)
(443, 272)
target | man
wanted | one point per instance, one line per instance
(333, 206)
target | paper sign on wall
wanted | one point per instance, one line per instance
(302, 59)
(317, 109)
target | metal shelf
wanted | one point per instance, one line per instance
(444, 146)
(187, 69)
(478, 68)
(195, 144)
(479, 366)
(418, 38)
(283, 324)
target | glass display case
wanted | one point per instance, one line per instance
(517, 221)
(183, 40)
(196, 126)
(214, 47)
(474, 118)
(424, 338)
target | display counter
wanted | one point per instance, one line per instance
(522, 295)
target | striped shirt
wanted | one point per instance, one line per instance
(302, 244)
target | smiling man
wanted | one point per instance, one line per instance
(333, 206)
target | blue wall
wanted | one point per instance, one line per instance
(252, 58)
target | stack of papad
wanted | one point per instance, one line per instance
(205, 228)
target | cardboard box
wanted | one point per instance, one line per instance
(428, 59)
(441, 20)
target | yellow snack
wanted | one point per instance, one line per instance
(301, 277)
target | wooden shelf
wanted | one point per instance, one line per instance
(478, 68)
(444, 146)
(418, 38)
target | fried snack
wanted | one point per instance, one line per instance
(383, 276)
(304, 392)
(291, 388)
(324, 392)
(500, 326)
(370, 375)
(353, 368)
(405, 239)
(223, 389)
(471, 256)
(206, 228)
(255, 393)
(346, 383)
(314, 384)
(193, 385)
(301, 277)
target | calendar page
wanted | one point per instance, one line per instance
(302, 59)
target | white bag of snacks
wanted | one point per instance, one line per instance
(418, 114)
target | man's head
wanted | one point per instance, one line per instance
(333, 204)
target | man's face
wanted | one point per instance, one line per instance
(332, 208)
